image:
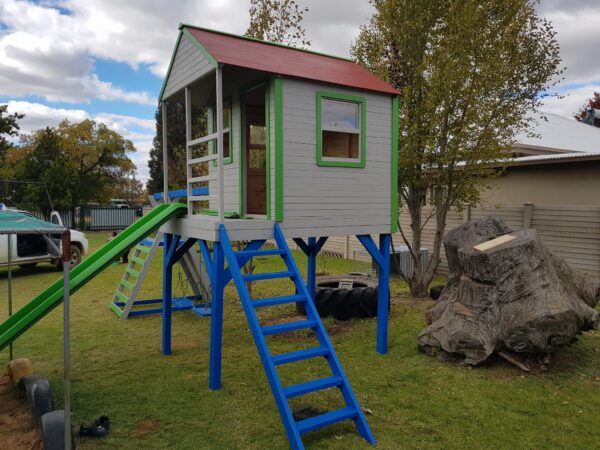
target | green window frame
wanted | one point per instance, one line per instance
(342, 162)
(227, 103)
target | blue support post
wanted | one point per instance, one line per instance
(216, 319)
(383, 294)
(311, 273)
(311, 249)
(381, 256)
(167, 295)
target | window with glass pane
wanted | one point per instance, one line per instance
(340, 129)
(257, 157)
(226, 130)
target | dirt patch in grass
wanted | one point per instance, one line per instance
(145, 427)
(16, 425)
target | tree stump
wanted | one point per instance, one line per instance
(507, 291)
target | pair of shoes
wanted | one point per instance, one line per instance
(98, 428)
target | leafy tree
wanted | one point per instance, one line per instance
(176, 149)
(47, 162)
(131, 190)
(593, 102)
(9, 126)
(99, 155)
(469, 71)
(278, 21)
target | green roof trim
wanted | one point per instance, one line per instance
(195, 43)
(200, 47)
(164, 85)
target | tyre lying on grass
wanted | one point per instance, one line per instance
(335, 297)
(53, 430)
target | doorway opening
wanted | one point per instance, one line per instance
(254, 147)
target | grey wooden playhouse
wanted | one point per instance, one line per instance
(281, 144)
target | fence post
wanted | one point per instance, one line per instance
(467, 214)
(527, 215)
(347, 247)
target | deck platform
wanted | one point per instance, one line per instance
(247, 229)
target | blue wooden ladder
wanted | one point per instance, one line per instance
(293, 428)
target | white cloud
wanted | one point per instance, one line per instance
(573, 100)
(39, 116)
(48, 54)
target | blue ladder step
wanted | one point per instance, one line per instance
(268, 276)
(323, 420)
(299, 355)
(312, 386)
(290, 326)
(253, 253)
(278, 300)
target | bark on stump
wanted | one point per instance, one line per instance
(515, 296)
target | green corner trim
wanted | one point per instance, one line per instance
(363, 131)
(244, 90)
(268, 145)
(278, 103)
(394, 197)
(241, 155)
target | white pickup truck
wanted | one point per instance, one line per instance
(30, 249)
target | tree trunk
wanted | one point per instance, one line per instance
(514, 295)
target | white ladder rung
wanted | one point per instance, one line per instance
(197, 198)
(203, 139)
(203, 159)
(201, 179)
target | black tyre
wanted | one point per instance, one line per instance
(436, 291)
(74, 257)
(344, 304)
(25, 385)
(53, 430)
(42, 399)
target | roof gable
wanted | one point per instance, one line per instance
(278, 59)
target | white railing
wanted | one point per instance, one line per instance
(211, 137)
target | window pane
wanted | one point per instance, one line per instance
(226, 152)
(225, 115)
(257, 135)
(336, 113)
(340, 145)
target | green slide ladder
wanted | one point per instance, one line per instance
(50, 298)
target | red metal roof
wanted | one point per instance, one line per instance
(273, 58)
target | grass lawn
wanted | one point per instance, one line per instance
(155, 401)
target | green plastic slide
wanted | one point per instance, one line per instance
(50, 298)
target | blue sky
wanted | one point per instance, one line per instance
(105, 59)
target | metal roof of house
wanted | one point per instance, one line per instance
(560, 134)
(555, 158)
(279, 59)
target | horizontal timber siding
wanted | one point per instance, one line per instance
(348, 198)
(572, 232)
(189, 65)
